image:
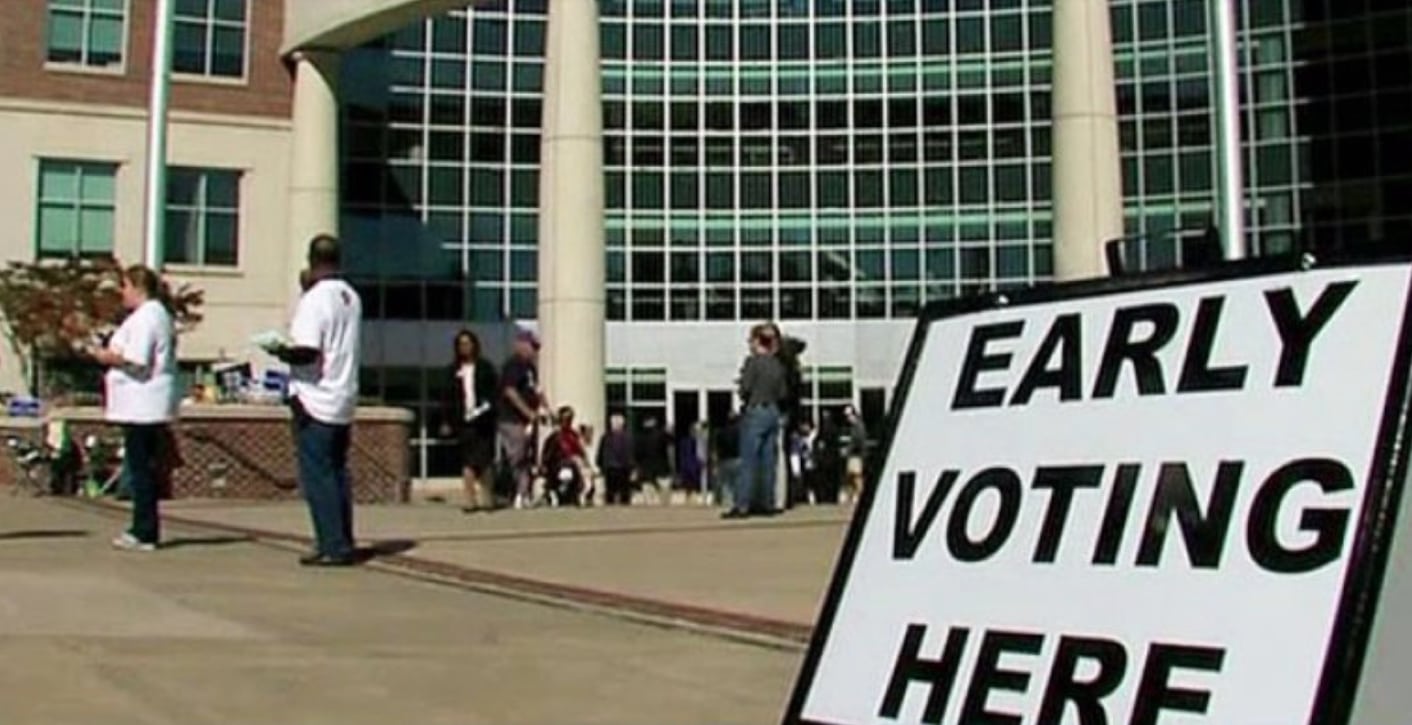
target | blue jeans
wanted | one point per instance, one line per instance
(142, 451)
(759, 445)
(323, 477)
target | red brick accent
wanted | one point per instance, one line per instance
(254, 458)
(266, 92)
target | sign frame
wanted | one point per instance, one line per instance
(1370, 548)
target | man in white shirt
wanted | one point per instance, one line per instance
(323, 356)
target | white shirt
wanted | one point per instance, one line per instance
(468, 392)
(144, 390)
(328, 319)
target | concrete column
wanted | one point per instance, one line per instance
(313, 182)
(572, 298)
(1088, 180)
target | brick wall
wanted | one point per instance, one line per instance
(253, 459)
(266, 91)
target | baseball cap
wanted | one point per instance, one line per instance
(525, 334)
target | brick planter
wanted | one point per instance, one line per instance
(247, 451)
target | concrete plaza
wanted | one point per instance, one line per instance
(613, 616)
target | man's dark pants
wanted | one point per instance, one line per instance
(142, 454)
(618, 482)
(323, 477)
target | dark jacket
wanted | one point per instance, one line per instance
(727, 440)
(653, 453)
(615, 451)
(487, 388)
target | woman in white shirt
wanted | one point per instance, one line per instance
(141, 397)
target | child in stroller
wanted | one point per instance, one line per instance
(567, 478)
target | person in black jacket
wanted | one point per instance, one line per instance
(616, 460)
(653, 453)
(469, 409)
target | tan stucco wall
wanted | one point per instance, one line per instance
(239, 301)
(334, 24)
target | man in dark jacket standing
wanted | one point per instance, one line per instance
(616, 460)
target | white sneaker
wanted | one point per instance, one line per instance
(128, 542)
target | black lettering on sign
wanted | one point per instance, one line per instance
(1115, 519)
(1065, 338)
(1197, 374)
(907, 535)
(1065, 689)
(1004, 482)
(1141, 353)
(989, 676)
(1205, 535)
(978, 361)
(1061, 481)
(939, 675)
(1155, 692)
(1297, 331)
(1328, 525)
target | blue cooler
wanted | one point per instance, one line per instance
(23, 407)
(276, 381)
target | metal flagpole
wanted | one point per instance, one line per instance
(155, 213)
(1231, 182)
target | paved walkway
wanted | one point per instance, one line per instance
(761, 576)
(219, 628)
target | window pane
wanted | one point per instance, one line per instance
(58, 230)
(105, 40)
(529, 38)
(489, 37)
(684, 42)
(226, 9)
(97, 186)
(96, 231)
(189, 48)
(220, 239)
(58, 182)
(223, 189)
(65, 37)
(228, 52)
(183, 187)
(182, 237)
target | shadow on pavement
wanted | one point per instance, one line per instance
(390, 547)
(43, 534)
(205, 541)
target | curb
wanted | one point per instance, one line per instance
(724, 624)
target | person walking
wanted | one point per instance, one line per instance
(726, 453)
(469, 415)
(141, 397)
(654, 460)
(323, 355)
(521, 407)
(690, 467)
(828, 463)
(615, 460)
(762, 386)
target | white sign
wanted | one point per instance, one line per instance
(1154, 507)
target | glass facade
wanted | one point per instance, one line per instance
(827, 161)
